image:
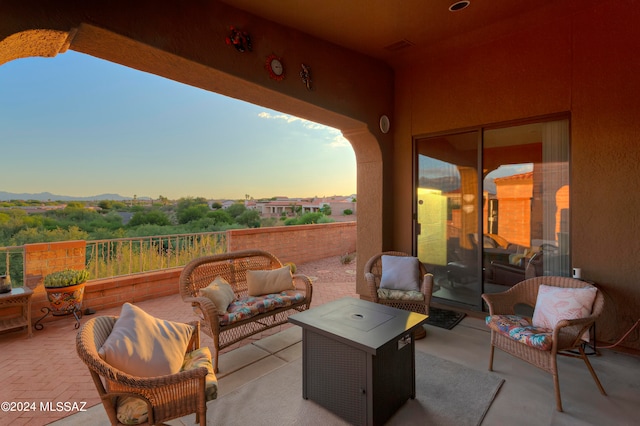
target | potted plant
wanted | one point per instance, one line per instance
(65, 290)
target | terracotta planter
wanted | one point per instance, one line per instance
(65, 300)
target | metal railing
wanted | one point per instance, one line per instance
(12, 264)
(126, 256)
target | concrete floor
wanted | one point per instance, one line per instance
(526, 397)
(45, 368)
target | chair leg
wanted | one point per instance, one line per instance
(556, 386)
(591, 370)
(491, 358)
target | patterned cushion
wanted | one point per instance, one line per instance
(520, 329)
(202, 358)
(387, 293)
(132, 411)
(250, 306)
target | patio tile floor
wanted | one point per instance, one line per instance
(46, 369)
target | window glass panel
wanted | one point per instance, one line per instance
(522, 211)
(526, 192)
(447, 214)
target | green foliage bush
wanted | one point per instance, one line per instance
(308, 218)
(192, 213)
(347, 212)
(151, 217)
(236, 209)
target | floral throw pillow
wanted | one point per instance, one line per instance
(558, 303)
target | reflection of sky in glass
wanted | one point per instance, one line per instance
(433, 168)
(438, 174)
(445, 176)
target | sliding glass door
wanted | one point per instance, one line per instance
(509, 185)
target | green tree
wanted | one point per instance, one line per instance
(105, 205)
(326, 210)
(151, 217)
(192, 213)
(220, 217)
(251, 218)
(236, 210)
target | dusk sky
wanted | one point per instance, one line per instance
(81, 126)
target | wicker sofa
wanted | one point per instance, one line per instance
(247, 314)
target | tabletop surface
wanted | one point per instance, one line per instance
(358, 322)
(16, 292)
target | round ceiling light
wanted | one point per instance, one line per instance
(459, 5)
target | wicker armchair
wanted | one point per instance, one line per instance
(373, 276)
(566, 336)
(167, 397)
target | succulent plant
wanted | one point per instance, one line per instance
(66, 278)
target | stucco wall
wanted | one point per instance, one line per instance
(583, 64)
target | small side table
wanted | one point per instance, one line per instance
(17, 297)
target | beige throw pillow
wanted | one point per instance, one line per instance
(145, 346)
(269, 282)
(220, 293)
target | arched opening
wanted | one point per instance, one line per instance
(114, 48)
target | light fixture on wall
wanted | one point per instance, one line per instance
(459, 5)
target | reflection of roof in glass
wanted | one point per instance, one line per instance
(521, 176)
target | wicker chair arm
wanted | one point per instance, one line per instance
(426, 287)
(371, 285)
(571, 331)
(308, 285)
(155, 384)
(206, 307)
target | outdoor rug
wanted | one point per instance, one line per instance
(447, 394)
(444, 318)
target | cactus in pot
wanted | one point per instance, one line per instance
(65, 290)
(66, 278)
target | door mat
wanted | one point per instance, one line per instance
(444, 318)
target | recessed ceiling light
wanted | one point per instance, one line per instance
(459, 5)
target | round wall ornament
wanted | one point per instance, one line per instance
(274, 65)
(384, 124)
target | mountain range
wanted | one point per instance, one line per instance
(47, 196)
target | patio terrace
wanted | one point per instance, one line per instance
(46, 368)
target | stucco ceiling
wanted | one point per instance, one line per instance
(393, 29)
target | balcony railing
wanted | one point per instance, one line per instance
(125, 256)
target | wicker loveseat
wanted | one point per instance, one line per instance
(246, 314)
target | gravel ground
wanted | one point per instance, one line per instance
(330, 269)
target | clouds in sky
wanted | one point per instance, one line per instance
(335, 138)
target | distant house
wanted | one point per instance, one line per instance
(283, 206)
